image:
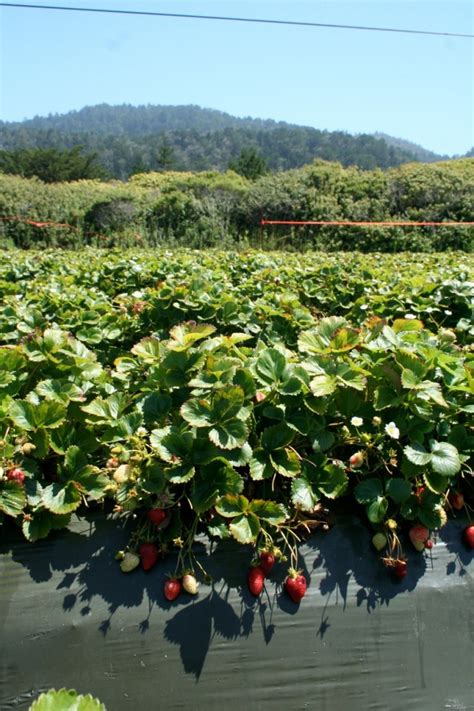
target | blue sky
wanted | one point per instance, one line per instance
(416, 87)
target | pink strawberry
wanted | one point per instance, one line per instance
(468, 536)
(429, 543)
(172, 589)
(17, 475)
(149, 555)
(156, 516)
(418, 536)
(295, 585)
(356, 460)
(255, 580)
(267, 561)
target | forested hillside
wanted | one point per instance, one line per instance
(131, 139)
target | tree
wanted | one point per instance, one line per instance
(165, 157)
(51, 165)
(250, 164)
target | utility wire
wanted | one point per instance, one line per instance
(235, 19)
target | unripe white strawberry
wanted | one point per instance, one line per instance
(190, 584)
(379, 541)
(122, 473)
(129, 562)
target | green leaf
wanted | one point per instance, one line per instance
(232, 505)
(437, 483)
(398, 490)
(41, 523)
(23, 414)
(431, 516)
(377, 509)
(197, 412)
(332, 335)
(303, 495)
(269, 366)
(269, 511)
(148, 349)
(61, 499)
(245, 528)
(12, 498)
(368, 490)
(277, 437)
(181, 474)
(417, 455)
(66, 700)
(185, 335)
(445, 458)
(213, 481)
(332, 481)
(286, 462)
(260, 466)
(323, 384)
(405, 324)
(107, 411)
(229, 435)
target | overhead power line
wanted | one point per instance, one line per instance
(294, 23)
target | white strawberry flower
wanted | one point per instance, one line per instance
(357, 421)
(392, 430)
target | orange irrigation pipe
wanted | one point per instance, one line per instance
(348, 223)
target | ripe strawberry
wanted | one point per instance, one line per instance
(267, 561)
(129, 562)
(149, 555)
(295, 585)
(356, 460)
(468, 536)
(156, 516)
(190, 584)
(429, 543)
(17, 475)
(379, 541)
(456, 500)
(172, 589)
(255, 580)
(400, 569)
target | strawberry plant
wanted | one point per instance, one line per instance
(243, 396)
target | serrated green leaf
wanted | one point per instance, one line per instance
(377, 509)
(229, 435)
(41, 523)
(303, 495)
(437, 483)
(332, 481)
(66, 700)
(445, 458)
(260, 466)
(417, 455)
(12, 498)
(61, 499)
(269, 511)
(277, 437)
(269, 366)
(197, 412)
(245, 528)
(23, 414)
(232, 505)
(368, 490)
(398, 490)
(286, 462)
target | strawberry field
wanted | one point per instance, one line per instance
(245, 396)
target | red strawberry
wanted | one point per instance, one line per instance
(149, 554)
(429, 543)
(172, 589)
(295, 585)
(400, 569)
(468, 536)
(267, 561)
(17, 475)
(255, 580)
(456, 500)
(156, 516)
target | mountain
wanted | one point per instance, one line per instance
(422, 154)
(130, 139)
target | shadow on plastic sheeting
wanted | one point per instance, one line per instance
(340, 564)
